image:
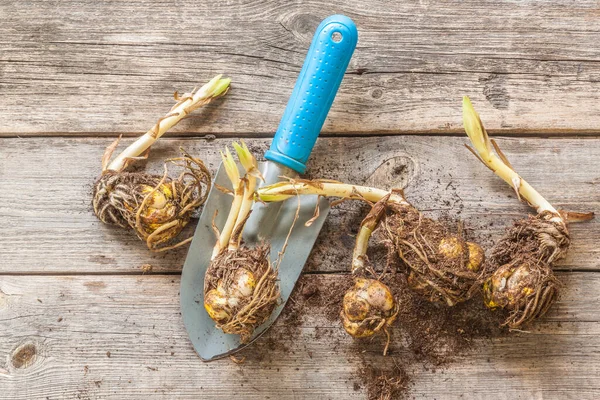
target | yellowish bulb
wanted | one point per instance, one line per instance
(159, 207)
(159, 197)
(506, 285)
(379, 296)
(367, 307)
(217, 305)
(451, 247)
(357, 329)
(476, 257)
(462, 260)
(356, 308)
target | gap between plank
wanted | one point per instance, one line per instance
(177, 273)
(538, 134)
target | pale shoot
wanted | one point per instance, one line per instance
(238, 196)
(367, 227)
(185, 105)
(252, 173)
(284, 190)
(498, 163)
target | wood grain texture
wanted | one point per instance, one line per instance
(78, 320)
(121, 337)
(83, 66)
(49, 227)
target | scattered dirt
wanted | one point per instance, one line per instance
(436, 333)
(425, 336)
(307, 296)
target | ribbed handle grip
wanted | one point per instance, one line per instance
(313, 94)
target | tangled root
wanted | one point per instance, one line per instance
(241, 290)
(521, 279)
(444, 268)
(386, 387)
(156, 207)
(536, 237)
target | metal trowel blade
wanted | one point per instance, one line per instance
(209, 342)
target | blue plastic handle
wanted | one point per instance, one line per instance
(315, 89)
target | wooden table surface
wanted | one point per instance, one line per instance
(78, 319)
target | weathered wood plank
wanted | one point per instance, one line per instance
(530, 66)
(48, 225)
(95, 337)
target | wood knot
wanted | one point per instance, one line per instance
(302, 26)
(376, 93)
(393, 173)
(24, 356)
(495, 91)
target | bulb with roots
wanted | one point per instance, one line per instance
(240, 285)
(521, 280)
(156, 207)
(241, 290)
(526, 290)
(369, 306)
(443, 267)
(463, 263)
(519, 276)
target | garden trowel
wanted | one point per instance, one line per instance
(311, 99)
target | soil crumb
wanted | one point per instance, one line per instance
(385, 385)
(308, 296)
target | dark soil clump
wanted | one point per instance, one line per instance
(384, 384)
